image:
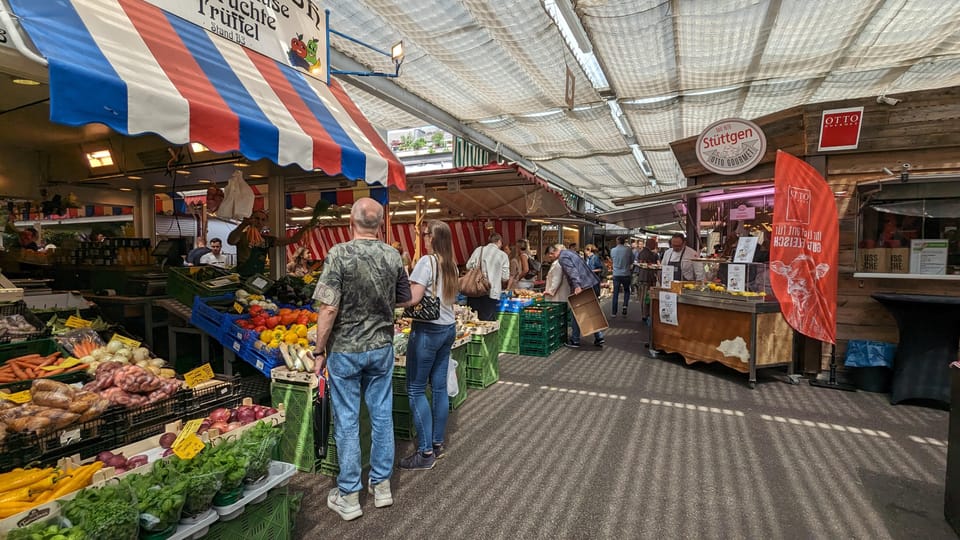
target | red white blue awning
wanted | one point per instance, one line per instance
(139, 69)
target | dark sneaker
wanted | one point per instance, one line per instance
(439, 451)
(572, 345)
(599, 342)
(624, 312)
(418, 462)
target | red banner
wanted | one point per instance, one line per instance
(804, 248)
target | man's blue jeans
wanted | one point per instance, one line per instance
(428, 355)
(575, 328)
(621, 282)
(371, 371)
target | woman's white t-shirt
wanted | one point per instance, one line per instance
(423, 274)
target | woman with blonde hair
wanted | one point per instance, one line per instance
(428, 351)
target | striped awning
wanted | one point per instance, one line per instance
(139, 69)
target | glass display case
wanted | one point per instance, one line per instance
(730, 280)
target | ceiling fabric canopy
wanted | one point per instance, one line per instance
(139, 69)
(673, 67)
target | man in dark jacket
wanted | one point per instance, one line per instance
(580, 277)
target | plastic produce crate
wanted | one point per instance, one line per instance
(207, 318)
(273, 519)
(86, 439)
(20, 308)
(486, 345)
(191, 400)
(262, 359)
(42, 346)
(456, 402)
(403, 426)
(484, 376)
(296, 443)
(183, 285)
(509, 332)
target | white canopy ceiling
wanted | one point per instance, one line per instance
(498, 66)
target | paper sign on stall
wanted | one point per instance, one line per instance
(746, 248)
(666, 276)
(736, 277)
(196, 376)
(668, 308)
(929, 256)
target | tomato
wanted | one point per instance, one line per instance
(272, 322)
(256, 310)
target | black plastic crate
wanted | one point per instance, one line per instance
(20, 308)
(257, 388)
(15, 451)
(190, 400)
(66, 378)
(145, 416)
(85, 439)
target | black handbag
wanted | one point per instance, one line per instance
(429, 307)
(321, 418)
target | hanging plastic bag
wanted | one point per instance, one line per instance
(238, 198)
(453, 387)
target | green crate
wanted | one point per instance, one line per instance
(296, 443)
(182, 284)
(273, 519)
(484, 376)
(42, 347)
(509, 333)
(541, 351)
(485, 345)
(403, 428)
(456, 402)
(399, 384)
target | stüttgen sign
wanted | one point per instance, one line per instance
(731, 146)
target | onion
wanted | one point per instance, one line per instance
(220, 426)
(233, 425)
(117, 461)
(114, 346)
(246, 415)
(157, 362)
(166, 440)
(104, 456)
(141, 353)
(220, 415)
(271, 411)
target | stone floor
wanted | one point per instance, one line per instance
(610, 443)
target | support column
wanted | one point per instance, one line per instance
(145, 223)
(277, 210)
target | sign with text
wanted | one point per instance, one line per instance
(290, 31)
(746, 249)
(731, 146)
(929, 256)
(742, 213)
(199, 375)
(804, 248)
(840, 129)
(668, 308)
(736, 277)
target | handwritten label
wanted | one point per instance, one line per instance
(132, 343)
(19, 397)
(69, 437)
(196, 376)
(68, 363)
(190, 428)
(237, 307)
(76, 322)
(189, 447)
(259, 283)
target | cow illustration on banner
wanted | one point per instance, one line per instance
(804, 248)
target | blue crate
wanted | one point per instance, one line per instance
(230, 332)
(514, 305)
(262, 359)
(205, 317)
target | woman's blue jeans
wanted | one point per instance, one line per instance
(371, 373)
(428, 355)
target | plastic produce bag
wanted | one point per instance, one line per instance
(238, 198)
(453, 388)
(861, 353)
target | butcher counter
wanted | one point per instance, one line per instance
(745, 334)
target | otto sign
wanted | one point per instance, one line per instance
(731, 146)
(840, 129)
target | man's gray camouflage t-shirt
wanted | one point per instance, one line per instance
(360, 278)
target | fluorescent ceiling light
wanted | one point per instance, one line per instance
(576, 37)
(126, 189)
(432, 200)
(135, 178)
(308, 218)
(26, 82)
(414, 212)
(255, 176)
(745, 194)
(197, 147)
(183, 171)
(99, 158)
(159, 185)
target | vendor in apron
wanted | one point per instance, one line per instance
(674, 258)
(253, 245)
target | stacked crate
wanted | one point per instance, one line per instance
(460, 355)
(402, 417)
(543, 328)
(509, 332)
(483, 363)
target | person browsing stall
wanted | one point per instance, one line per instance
(428, 352)
(496, 267)
(622, 257)
(579, 277)
(680, 257)
(216, 256)
(361, 283)
(253, 245)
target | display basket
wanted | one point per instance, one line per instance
(264, 360)
(509, 332)
(399, 380)
(207, 318)
(256, 388)
(217, 392)
(137, 423)
(513, 305)
(183, 285)
(14, 451)
(269, 520)
(403, 426)
(85, 439)
(20, 308)
(482, 377)
(484, 345)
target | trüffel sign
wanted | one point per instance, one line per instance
(731, 146)
(290, 31)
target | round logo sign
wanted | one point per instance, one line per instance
(731, 146)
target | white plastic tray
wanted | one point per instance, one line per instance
(197, 529)
(279, 474)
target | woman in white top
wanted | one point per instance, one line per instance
(428, 351)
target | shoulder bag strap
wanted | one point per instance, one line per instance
(435, 262)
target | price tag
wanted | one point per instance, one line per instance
(19, 397)
(188, 447)
(236, 346)
(69, 437)
(199, 375)
(132, 343)
(237, 307)
(76, 322)
(190, 428)
(68, 363)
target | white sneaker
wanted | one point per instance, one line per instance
(348, 506)
(381, 494)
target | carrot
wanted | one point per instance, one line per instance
(6, 379)
(47, 361)
(55, 372)
(24, 357)
(78, 367)
(18, 372)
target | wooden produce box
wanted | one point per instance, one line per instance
(875, 260)
(586, 309)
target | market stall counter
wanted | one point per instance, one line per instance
(741, 333)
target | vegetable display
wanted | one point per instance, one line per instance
(27, 367)
(104, 512)
(121, 463)
(58, 325)
(258, 443)
(43, 531)
(16, 326)
(53, 406)
(160, 495)
(203, 478)
(130, 385)
(226, 420)
(22, 489)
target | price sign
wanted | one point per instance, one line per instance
(76, 322)
(19, 397)
(190, 446)
(132, 343)
(237, 307)
(68, 363)
(189, 429)
(196, 376)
